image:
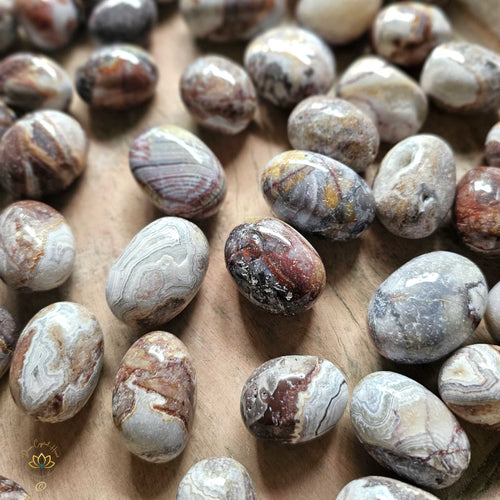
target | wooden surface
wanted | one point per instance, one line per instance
(227, 337)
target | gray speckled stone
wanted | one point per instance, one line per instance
(492, 315)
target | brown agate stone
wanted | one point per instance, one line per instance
(10, 490)
(8, 340)
(7, 118)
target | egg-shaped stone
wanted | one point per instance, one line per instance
(393, 100)
(293, 399)
(334, 128)
(427, 308)
(218, 478)
(405, 33)
(117, 77)
(8, 340)
(415, 186)
(337, 21)
(7, 118)
(477, 210)
(154, 397)
(288, 64)
(469, 383)
(8, 24)
(274, 266)
(462, 77)
(219, 94)
(42, 154)
(31, 81)
(159, 272)
(178, 172)
(229, 21)
(10, 490)
(492, 146)
(57, 362)
(37, 247)
(382, 488)
(409, 430)
(492, 314)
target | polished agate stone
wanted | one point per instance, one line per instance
(409, 430)
(469, 383)
(218, 478)
(154, 397)
(8, 340)
(477, 210)
(427, 308)
(7, 118)
(8, 24)
(10, 490)
(493, 146)
(492, 315)
(293, 399)
(57, 362)
(415, 186)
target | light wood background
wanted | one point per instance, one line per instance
(227, 337)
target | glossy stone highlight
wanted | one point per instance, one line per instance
(154, 397)
(293, 399)
(57, 362)
(427, 308)
(492, 315)
(274, 266)
(319, 195)
(8, 24)
(493, 146)
(407, 429)
(178, 172)
(8, 340)
(7, 118)
(10, 490)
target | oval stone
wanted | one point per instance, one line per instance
(492, 315)
(57, 362)
(319, 195)
(10, 490)
(293, 399)
(154, 397)
(7, 118)
(409, 430)
(427, 308)
(8, 340)
(492, 146)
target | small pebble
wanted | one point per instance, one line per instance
(219, 94)
(129, 21)
(159, 272)
(57, 362)
(462, 77)
(415, 186)
(8, 24)
(393, 100)
(42, 154)
(335, 128)
(469, 383)
(293, 399)
(117, 77)
(178, 172)
(405, 33)
(427, 308)
(492, 146)
(409, 430)
(229, 21)
(154, 397)
(218, 478)
(274, 266)
(31, 81)
(477, 210)
(337, 21)
(7, 118)
(319, 195)
(10, 490)
(288, 64)
(492, 315)
(8, 340)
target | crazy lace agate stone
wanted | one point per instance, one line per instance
(492, 146)
(41, 154)
(469, 383)
(462, 77)
(154, 397)
(393, 100)
(405, 33)
(382, 488)
(219, 94)
(178, 172)
(288, 64)
(10, 490)
(31, 81)
(57, 362)
(8, 24)
(427, 308)
(415, 186)
(319, 195)
(492, 315)
(409, 430)
(274, 266)
(477, 210)
(117, 77)
(293, 399)
(8, 340)
(159, 272)
(7, 118)
(218, 478)
(229, 21)
(335, 128)
(37, 247)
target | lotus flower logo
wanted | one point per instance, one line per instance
(41, 462)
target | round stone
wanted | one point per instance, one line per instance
(8, 340)
(492, 315)
(493, 146)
